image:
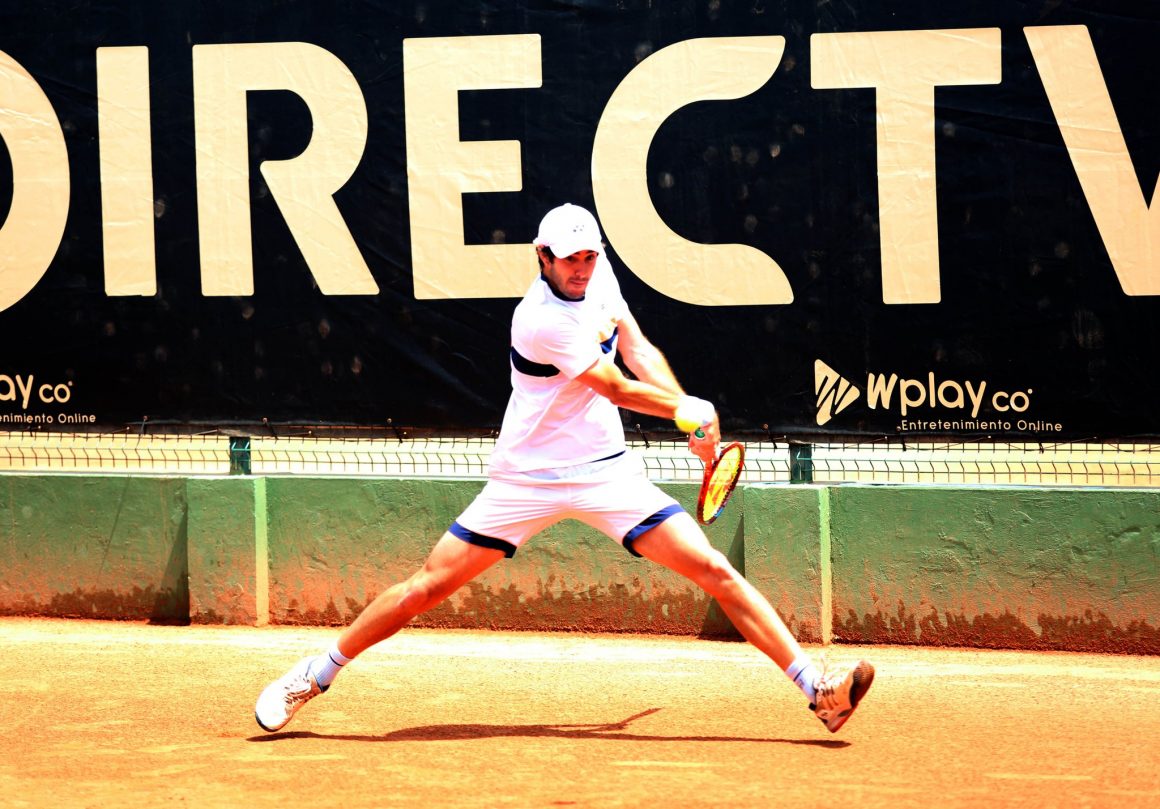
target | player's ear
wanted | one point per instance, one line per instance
(545, 255)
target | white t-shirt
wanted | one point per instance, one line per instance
(553, 421)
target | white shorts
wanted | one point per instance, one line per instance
(613, 496)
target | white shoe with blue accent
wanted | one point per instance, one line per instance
(282, 698)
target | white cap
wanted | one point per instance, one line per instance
(569, 229)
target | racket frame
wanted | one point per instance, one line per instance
(709, 471)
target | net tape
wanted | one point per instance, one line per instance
(1071, 464)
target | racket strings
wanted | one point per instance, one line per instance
(720, 484)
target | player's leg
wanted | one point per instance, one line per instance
(451, 564)
(679, 544)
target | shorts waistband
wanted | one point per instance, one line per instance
(564, 473)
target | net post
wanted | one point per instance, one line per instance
(801, 462)
(239, 455)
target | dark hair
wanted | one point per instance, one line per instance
(544, 254)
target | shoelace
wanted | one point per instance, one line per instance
(824, 687)
(297, 691)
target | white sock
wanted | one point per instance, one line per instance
(326, 666)
(804, 674)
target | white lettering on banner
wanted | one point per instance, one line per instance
(1079, 98)
(17, 387)
(126, 171)
(672, 78)
(930, 393)
(441, 168)
(903, 67)
(11, 385)
(40, 182)
(303, 186)
(835, 393)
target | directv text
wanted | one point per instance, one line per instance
(903, 67)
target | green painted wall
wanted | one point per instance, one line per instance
(337, 543)
(1003, 566)
(94, 547)
(223, 551)
(783, 556)
(1074, 569)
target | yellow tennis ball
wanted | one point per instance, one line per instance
(693, 413)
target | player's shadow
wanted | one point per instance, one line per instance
(614, 731)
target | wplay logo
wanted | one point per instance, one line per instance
(835, 393)
(973, 397)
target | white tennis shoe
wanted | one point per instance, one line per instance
(282, 698)
(839, 692)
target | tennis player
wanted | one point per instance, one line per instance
(560, 454)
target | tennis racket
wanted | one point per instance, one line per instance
(720, 479)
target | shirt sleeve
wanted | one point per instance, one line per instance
(568, 346)
(616, 301)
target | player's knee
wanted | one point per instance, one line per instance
(716, 575)
(420, 595)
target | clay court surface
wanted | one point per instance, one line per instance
(102, 714)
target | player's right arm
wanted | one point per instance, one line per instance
(606, 379)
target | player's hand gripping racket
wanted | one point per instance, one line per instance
(720, 479)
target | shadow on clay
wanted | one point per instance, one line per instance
(614, 731)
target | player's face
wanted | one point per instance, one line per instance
(570, 275)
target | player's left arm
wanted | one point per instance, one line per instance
(648, 363)
(643, 359)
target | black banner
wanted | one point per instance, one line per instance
(835, 219)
